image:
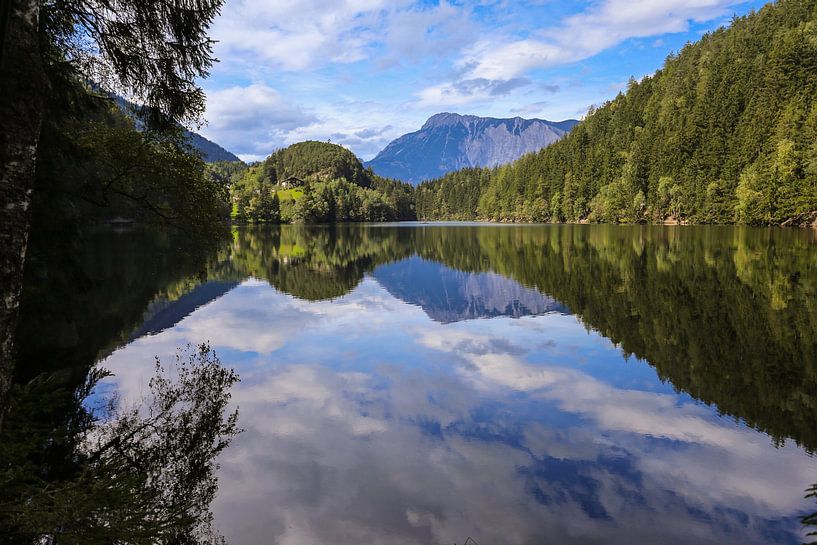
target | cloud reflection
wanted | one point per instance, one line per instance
(369, 423)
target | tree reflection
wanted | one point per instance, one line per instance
(311, 262)
(726, 315)
(140, 475)
(70, 474)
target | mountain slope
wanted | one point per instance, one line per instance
(448, 142)
(210, 151)
(725, 132)
(313, 160)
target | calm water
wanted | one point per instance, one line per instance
(519, 385)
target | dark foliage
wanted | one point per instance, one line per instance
(312, 160)
(97, 167)
(141, 475)
(726, 316)
(152, 50)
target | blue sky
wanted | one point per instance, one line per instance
(362, 72)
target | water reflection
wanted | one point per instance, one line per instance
(370, 423)
(378, 410)
(448, 295)
(727, 314)
(143, 474)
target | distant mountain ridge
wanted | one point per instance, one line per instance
(210, 151)
(450, 141)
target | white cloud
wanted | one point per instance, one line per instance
(494, 61)
(578, 37)
(531, 109)
(591, 32)
(305, 35)
(252, 119)
(446, 94)
(469, 90)
(306, 51)
(293, 34)
(251, 107)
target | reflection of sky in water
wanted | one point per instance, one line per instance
(368, 422)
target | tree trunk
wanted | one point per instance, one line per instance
(23, 87)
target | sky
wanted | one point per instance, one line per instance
(360, 73)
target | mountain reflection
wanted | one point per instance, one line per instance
(448, 295)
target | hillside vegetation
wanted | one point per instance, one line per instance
(725, 132)
(315, 182)
(312, 160)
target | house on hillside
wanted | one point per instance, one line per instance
(290, 182)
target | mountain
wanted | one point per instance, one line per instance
(210, 151)
(449, 142)
(724, 132)
(163, 314)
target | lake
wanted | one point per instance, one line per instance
(422, 384)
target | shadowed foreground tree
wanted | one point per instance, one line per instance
(140, 475)
(151, 49)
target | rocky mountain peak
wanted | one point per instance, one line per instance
(450, 141)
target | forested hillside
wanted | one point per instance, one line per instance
(725, 132)
(315, 182)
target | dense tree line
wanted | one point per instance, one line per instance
(724, 315)
(315, 160)
(85, 291)
(97, 167)
(725, 132)
(312, 262)
(455, 196)
(226, 173)
(339, 201)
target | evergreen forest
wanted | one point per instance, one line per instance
(724, 132)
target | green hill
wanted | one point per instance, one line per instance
(317, 182)
(725, 132)
(312, 160)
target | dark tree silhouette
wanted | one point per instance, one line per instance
(51, 51)
(144, 474)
